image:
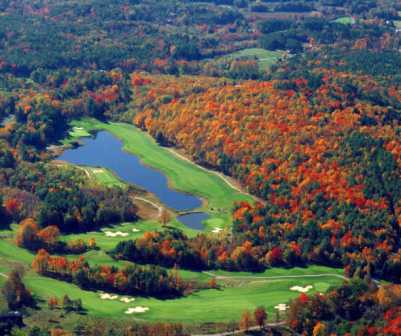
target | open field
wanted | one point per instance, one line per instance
(265, 58)
(185, 176)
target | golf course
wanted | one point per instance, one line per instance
(236, 291)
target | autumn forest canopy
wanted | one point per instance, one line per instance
(297, 103)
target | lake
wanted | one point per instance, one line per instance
(106, 151)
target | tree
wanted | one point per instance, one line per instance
(27, 234)
(52, 303)
(15, 292)
(164, 217)
(67, 303)
(260, 316)
(246, 320)
(212, 283)
(3, 212)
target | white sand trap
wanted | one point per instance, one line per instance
(137, 310)
(115, 234)
(97, 170)
(127, 299)
(78, 128)
(301, 289)
(106, 296)
(281, 307)
(136, 230)
(217, 230)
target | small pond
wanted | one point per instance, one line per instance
(194, 220)
(106, 151)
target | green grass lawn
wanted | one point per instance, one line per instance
(279, 271)
(184, 176)
(221, 305)
(265, 58)
(347, 20)
(105, 177)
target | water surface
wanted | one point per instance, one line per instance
(194, 220)
(105, 150)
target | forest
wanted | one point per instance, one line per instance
(297, 102)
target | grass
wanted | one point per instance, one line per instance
(107, 243)
(78, 132)
(347, 20)
(104, 176)
(184, 176)
(265, 58)
(225, 304)
(238, 291)
(280, 271)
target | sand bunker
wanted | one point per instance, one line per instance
(127, 299)
(106, 296)
(301, 289)
(217, 230)
(136, 310)
(78, 128)
(115, 234)
(97, 170)
(281, 307)
(135, 230)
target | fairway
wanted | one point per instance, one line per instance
(265, 58)
(219, 197)
(239, 290)
(213, 305)
(347, 20)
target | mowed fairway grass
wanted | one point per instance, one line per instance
(265, 58)
(185, 176)
(239, 292)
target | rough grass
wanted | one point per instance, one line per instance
(265, 58)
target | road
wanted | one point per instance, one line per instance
(223, 277)
(158, 207)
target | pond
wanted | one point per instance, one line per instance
(194, 220)
(106, 151)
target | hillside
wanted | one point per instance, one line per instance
(186, 167)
